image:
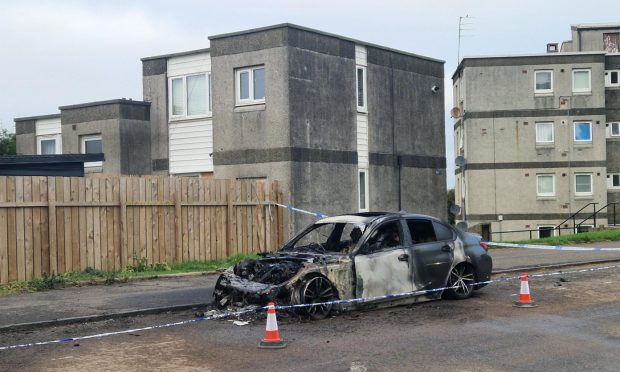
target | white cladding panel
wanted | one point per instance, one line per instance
(360, 55)
(362, 141)
(187, 65)
(46, 127)
(190, 145)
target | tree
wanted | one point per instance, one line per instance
(451, 217)
(7, 143)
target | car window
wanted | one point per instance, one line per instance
(421, 231)
(443, 232)
(384, 237)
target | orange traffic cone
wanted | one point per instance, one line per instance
(271, 340)
(525, 300)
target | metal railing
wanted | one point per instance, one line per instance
(576, 228)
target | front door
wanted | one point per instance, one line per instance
(383, 264)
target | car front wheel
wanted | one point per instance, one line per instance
(316, 289)
(461, 282)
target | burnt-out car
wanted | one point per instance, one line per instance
(362, 255)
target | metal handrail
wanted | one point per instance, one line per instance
(572, 216)
(528, 230)
(593, 215)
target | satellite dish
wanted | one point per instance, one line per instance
(460, 161)
(462, 226)
(455, 209)
(455, 112)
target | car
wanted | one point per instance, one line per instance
(371, 255)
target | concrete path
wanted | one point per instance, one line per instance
(173, 293)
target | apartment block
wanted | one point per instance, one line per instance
(537, 137)
(342, 124)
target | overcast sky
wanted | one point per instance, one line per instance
(56, 53)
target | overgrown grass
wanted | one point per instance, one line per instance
(586, 237)
(140, 268)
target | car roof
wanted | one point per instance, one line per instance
(369, 217)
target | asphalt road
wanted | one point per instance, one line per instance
(575, 328)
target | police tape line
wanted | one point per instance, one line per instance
(291, 208)
(298, 306)
(552, 247)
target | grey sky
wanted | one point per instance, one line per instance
(56, 53)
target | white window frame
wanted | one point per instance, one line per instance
(57, 144)
(583, 90)
(545, 194)
(591, 184)
(611, 129)
(364, 107)
(610, 181)
(359, 189)
(575, 130)
(538, 91)
(552, 230)
(552, 132)
(184, 115)
(608, 82)
(83, 140)
(251, 100)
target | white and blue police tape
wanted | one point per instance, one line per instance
(553, 247)
(285, 307)
(291, 208)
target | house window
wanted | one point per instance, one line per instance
(363, 190)
(545, 231)
(544, 132)
(543, 81)
(611, 41)
(583, 131)
(581, 80)
(545, 185)
(612, 78)
(583, 184)
(49, 145)
(613, 181)
(614, 129)
(190, 96)
(250, 85)
(92, 145)
(361, 89)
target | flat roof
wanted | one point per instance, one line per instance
(302, 28)
(179, 54)
(38, 117)
(531, 55)
(595, 26)
(108, 102)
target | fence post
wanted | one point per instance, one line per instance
(230, 239)
(51, 197)
(594, 216)
(123, 204)
(178, 220)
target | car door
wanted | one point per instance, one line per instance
(432, 257)
(383, 263)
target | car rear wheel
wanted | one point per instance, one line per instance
(461, 282)
(314, 290)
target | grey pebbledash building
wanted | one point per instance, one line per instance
(344, 125)
(540, 137)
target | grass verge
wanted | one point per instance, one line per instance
(586, 237)
(140, 268)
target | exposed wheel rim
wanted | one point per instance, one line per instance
(317, 290)
(462, 280)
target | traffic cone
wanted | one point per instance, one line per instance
(271, 340)
(525, 300)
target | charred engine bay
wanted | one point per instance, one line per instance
(268, 270)
(264, 279)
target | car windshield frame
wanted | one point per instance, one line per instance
(340, 231)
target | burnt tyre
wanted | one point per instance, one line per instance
(461, 282)
(316, 290)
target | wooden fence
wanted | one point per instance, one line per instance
(52, 225)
